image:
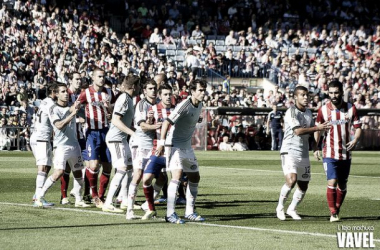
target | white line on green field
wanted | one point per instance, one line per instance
(276, 171)
(197, 223)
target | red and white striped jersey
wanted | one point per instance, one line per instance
(160, 114)
(96, 112)
(335, 140)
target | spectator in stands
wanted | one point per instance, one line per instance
(225, 145)
(197, 33)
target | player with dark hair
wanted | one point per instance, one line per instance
(180, 155)
(156, 165)
(142, 141)
(98, 105)
(337, 145)
(40, 141)
(299, 125)
(67, 147)
(116, 139)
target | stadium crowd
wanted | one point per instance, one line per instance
(310, 44)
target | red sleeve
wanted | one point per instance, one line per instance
(355, 118)
(82, 97)
(320, 118)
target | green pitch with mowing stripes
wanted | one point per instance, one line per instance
(238, 196)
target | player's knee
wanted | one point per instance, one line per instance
(291, 181)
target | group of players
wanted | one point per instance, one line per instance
(140, 133)
(125, 133)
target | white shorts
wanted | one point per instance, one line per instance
(42, 152)
(179, 158)
(138, 156)
(296, 165)
(120, 153)
(68, 154)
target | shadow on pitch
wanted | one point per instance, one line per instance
(76, 226)
(234, 203)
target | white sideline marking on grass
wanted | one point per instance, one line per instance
(197, 223)
(275, 171)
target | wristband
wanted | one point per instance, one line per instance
(160, 142)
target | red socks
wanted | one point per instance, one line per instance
(103, 183)
(340, 195)
(65, 179)
(149, 193)
(332, 199)
(93, 180)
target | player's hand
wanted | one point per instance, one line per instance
(77, 105)
(317, 155)
(350, 145)
(159, 151)
(157, 125)
(324, 126)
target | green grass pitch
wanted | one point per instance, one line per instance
(237, 196)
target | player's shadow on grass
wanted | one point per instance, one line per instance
(234, 203)
(76, 226)
(228, 217)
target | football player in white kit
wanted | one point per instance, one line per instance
(40, 141)
(67, 147)
(299, 126)
(117, 143)
(142, 141)
(180, 157)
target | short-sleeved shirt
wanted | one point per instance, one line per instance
(292, 144)
(67, 136)
(183, 119)
(123, 108)
(42, 127)
(143, 139)
(335, 140)
(160, 114)
(275, 119)
(96, 112)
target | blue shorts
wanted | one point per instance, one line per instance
(82, 144)
(154, 165)
(96, 146)
(337, 169)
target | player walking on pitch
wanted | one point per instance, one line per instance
(337, 146)
(180, 154)
(299, 125)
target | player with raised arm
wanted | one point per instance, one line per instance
(337, 145)
(40, 141)
(142, 141)
(67, 147)
(299, 125)
(98, 105)
(116, 139)
(156, 165)
(180, 154)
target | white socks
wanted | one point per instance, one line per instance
(77, 188)
(191, 195)
(125, 183)
(297, 198)
(172, 196)
(115, 184)
(48, 184)
(131, 196)
(40, 180)
(157, 190)
(285, 190)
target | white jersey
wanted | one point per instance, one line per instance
(297, 146)
(67, 136)
(124, 108)
(143, 139)
(184, 119)
(42, 126)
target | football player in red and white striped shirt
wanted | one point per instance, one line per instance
(98, 105)
(337, 145)
(156, 165)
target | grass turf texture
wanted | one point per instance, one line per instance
(238, 196)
